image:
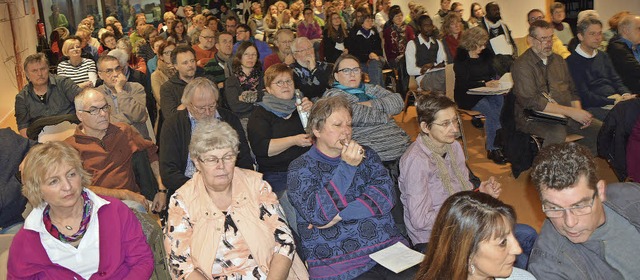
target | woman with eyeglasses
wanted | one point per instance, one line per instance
(246, 85)
(276, 129)
(434, 168)
(343, 196)
(225, 222)
(473, 239)
(163, 73)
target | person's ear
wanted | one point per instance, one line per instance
(580, 37)
(424, 127)
(601, 186)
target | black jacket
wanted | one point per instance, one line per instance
(615, 131)
(174, 151)
(361, 47)
(626, 64)
(171, 93)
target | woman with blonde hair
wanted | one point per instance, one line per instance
(473, 239)
(72, 233)
(334, 36)
(286, 20)
(451, 33)
(80, 70)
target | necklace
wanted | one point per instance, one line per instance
(42, 97)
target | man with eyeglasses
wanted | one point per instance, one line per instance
(107, 150)
(200, 100)
(592, 230)
(243, 33)
(205, 49)
(283, 39)
(230, 25)
(522, 44)
(219, 67)
(542, 83)
(45, 95)
(310, 76)
(127, 99)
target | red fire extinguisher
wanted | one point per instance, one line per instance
(40, 28)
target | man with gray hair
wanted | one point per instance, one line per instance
(310, 76)
(45, 95)
(200, 99)
(593, 74)
(592, 230)
(127, 99)
(543, 83)
(283, 40)
(625, 52)
(107, 150)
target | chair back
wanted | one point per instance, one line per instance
(450, 80)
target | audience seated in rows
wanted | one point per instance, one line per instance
(523, 43)
(243, 34)
(311, 76)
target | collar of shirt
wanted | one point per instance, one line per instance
(425, 42)
(363, 35)
(584, 54)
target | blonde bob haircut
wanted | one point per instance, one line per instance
(212, 135)
(44, 159)
(68, 44)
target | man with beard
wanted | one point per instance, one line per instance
(499, 34)
(200, 100)
(542, 82)
(183, 59)
(205, 49)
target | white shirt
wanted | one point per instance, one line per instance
(584, 54)
(83, 260)
(380, 19)
(410, 55)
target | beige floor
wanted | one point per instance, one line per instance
(519, 193)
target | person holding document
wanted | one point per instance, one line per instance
(542, 83)
(426, 57)
(474, 69)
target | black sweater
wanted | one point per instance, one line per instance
(626, 64)
(361, 47)
(471, 73)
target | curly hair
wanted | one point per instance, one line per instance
(560, 166)
(448, 20)
(473, 38)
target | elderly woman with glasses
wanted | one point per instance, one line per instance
(226, 223)
(434, 168)
(72, 233)
(343, 196)
(276, 127)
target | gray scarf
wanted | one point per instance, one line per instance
(280, 107)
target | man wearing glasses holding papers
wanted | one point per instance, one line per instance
(592, 230)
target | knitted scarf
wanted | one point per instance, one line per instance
(358, 92)
(279, 107)
(166, 69)
(442, 168)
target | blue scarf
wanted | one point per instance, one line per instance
(358, 92)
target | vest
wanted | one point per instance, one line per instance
(425, 55)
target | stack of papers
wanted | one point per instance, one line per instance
(506, 83)
(397, 257)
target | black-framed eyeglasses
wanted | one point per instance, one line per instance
(448, 123)
(213, 161)
(349, 71)
(95, 111)
(577, 210)
(544, 40)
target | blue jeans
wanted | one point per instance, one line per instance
(277, 180)
(491, 107)
(374, 69)
(12, 229)
(526, 236)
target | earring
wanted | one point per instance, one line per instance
(473, 269)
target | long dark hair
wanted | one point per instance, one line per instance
(237, 58)
(465, 219)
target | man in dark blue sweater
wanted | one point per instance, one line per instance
(593, 73)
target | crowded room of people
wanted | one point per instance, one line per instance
(320, 139)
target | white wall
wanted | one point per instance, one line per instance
(26, 39)
(608, 8)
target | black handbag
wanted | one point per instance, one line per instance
(537, 116)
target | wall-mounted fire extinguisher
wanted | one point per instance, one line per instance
(40, 28)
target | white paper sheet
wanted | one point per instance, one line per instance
(500, 46)
(397, 257)
(506, 83)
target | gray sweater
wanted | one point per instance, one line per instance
(374, 126)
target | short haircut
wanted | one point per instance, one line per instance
(124, 44)
(36, 57)
(627, 22)
(106, 35)
(164, 45)
(231, 18)
(68, 44)
(336, 65)
(218, 34)
(323, 109)
(533, 11)
(473, 38)
(428, 105)
(146, 32)
(106, 58)
(465, 220)
(198, 83)
(297, 41)
(556, 6)
(584, 24)
(121, 55)
(422, 18)
(211, 135)
(245, 27)
(307, 9)
(168, 15)
(560, 166)
(181, 48)
(538, 24)
(276, 70)
(44, 159)
(78, 100)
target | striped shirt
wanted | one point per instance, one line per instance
(80, 74)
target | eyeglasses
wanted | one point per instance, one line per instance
(110, 71)
(204, 109)
(544, 39)
(532, 19)
(283, 83)
(577, 210)
(208, 37)
(304, 50)
(349, 71)
(459, 11)
(213, 161)
(95, 111)
(167, 52)
(448, 123)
